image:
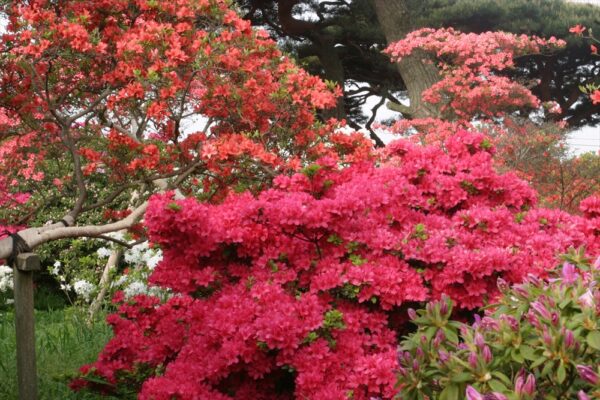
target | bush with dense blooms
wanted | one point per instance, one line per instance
(6, 285)
(540, 340)
(475, 93)
(77, 273)
(470, 63)
(539, 154)
(300, 291)
(138, 262)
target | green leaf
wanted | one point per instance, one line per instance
(357, 260)
(593, 340)
(547, 369)
(430, 331)
(311, 170)
(561, 373)
(538, 362)
(451, 335)
(528, 353)
(95, 379)
(496, 385)
(462, 377)
(335, 239)
(333, 319)
(516, 356)
(450, 392)
(564, 303)
(505, 379)
(174, 206)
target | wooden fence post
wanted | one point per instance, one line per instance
(24, 266)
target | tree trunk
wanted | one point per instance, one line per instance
(104, 284)
(324, 48)
(396, 18)
(334, 71)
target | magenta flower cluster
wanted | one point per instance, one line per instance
(300, 292)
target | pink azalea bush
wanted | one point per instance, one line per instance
(470, 64)
(540, 340)
(301, 291)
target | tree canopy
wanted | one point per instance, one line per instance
(341, 41)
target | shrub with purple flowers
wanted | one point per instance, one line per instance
(539, 340)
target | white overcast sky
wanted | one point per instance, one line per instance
(584, 140)
(579, 141)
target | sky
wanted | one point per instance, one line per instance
(579, 141)
(584, 140)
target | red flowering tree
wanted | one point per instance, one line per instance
(470, 85)
(539, 154)
(475, 93)
(473, 87)
(592, 89)
(103, 103)
(301, 291)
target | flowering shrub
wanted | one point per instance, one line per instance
(299, 292)
(475, 93)
(539, 154)
(84, 289)
(6, 285)
(140, 261)
(470, 62)
(77, 273)
(103, 102)
(540, 340)
(74, 267)
(592, 89)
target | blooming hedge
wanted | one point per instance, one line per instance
(301, 291)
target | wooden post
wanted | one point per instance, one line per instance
(24, 266)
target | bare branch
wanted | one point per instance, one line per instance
(406, 111)
(103, 95)
(37, 236)
(110, 198)
(118, 241)
(372, 134)
(77, 172)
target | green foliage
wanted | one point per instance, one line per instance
(354, 40)
(77, 256)
(540, 340)
(311, 170)
(333, 319)
(63, 343)
(533, 17)
(420, 232)
(47, 299)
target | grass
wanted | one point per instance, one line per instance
(63, 343)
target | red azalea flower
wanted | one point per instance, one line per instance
(595, 97)
(577, 29)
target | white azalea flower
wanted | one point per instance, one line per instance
(6, 278)
(84, 289)
(135, 288)
(103, 252)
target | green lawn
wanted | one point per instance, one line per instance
(64, 343)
